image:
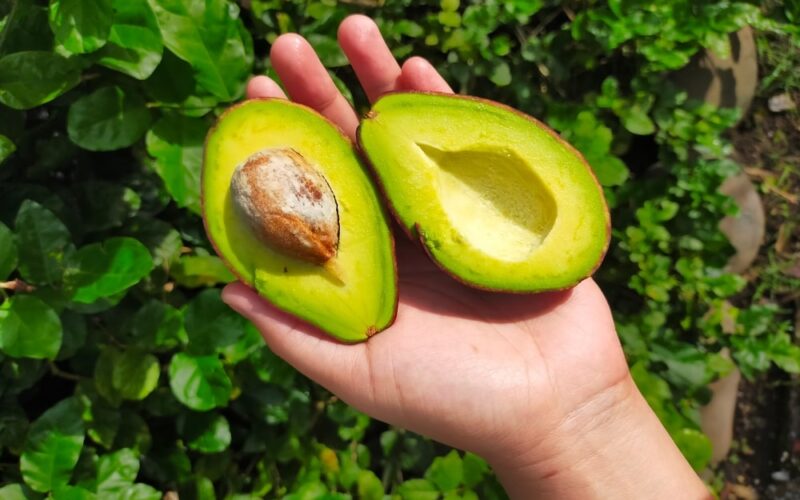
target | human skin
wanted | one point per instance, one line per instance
(536, 384)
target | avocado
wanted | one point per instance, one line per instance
(291, 210)
(496, 198)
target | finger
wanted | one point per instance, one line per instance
(263, 86)
(329, 363)
(307, 81)
(418, 74)
(367, 52)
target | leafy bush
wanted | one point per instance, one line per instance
(123, 373)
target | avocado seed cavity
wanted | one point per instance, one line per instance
(288, 204)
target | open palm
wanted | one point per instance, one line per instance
(473, 369)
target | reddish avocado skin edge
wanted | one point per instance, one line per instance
(414, 232)
(372, 330)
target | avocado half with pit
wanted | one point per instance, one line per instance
(496, 198)
(293, 213)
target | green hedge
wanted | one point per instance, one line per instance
(123, 375)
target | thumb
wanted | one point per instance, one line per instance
(314, 354)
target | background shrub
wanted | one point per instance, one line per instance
(123, 373)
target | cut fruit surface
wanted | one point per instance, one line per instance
(350, 295)
(505, 212)
(497, 198)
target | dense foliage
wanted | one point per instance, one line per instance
(123, 375)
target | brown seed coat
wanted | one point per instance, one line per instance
(288, 203)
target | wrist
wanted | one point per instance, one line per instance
(612, 446)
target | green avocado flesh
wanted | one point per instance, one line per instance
(497, 199)
(357, 300)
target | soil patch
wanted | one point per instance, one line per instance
(765, 459)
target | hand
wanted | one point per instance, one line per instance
(521, 380)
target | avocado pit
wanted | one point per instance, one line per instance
(288, 204)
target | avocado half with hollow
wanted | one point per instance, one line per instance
(498, 200)
(293, 213)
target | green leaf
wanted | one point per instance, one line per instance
(418, 489)
(72, 493)
(594, 140)
(168, 463)
(134, 433)
(13, 426)
(157, 326)
(389, 440)
(719, 44)
(653, 388)
(176, 142)
(163, 403)
(41, 241)
(135, 374)
(449, 5)
(501, 45)
(310, 489)
(610, 170)
(475, 468)
(695, 446)
(527, 7)
(134, 45)
(26, 29)
(102, 420)
(104, 269)
(81, 26)
(17, 492)
(328, 50)
(207, 35)
(199, 382)
(211, 324)
(450, 19)
(29, 328)
(446, 472)
(140, 491)
(103, 205)
(416, 451)
(409, 28)
(29, 79)
(172, 82)
(205, 432)
(501, 75)
(194, 271)
(6, 148)
(272, 369)
(8, 252)
(246, 346)
(19, 375)
(109, 118)
(117, 471)
(369, 486)
(161, 239)
(53, 446)
(104, 375)
(341, 86)
(636, 120)
(202, 488)
(130, 374)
